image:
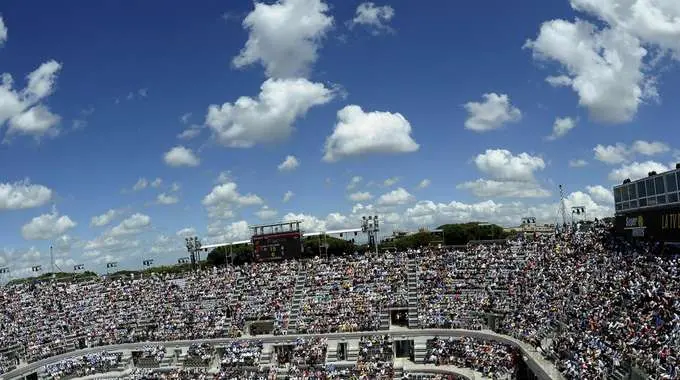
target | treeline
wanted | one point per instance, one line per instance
(452, 234)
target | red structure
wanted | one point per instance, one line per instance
(277, 241)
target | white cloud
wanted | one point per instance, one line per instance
(612, 154)
(501, 164)
(266, 213)
(105, 218)
(579, 163)
(236, 231)
(491, 114)
(3, 32)
(561, 127)
(559, 81)
(23, 108)
(158, 182)
(485, 188)
(175, 187)
(223, 198)
(185, 118)
(359, 133)
(636, 170)
(37, 121)
(396, 197)
(141, 184)
(285, 37)
(22, 195)
(604, 67)
(374, 17)
(190, 133)
(391, 181)
(650, 148)
(619, 153)
(289, 164)
(360, 196)
(354, 182)
(654, 22)
(186, 232)
(165, 199)
(309, 223)
(133, 224)
(424, 183)
(47, 226)
(601, 194)
(181, 156)
(288, 196)
(268, 118)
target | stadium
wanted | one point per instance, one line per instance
(339, 190)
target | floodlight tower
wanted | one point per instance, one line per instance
(194, 247)
(371, 225)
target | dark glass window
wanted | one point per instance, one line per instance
(650, 187)
(660, 188)
(643, 202)
(660, 199)
(672, 197)
(633, 204)
(642, 192)
(671, 185)
(624, 194)
(632, 192)
(617, 195)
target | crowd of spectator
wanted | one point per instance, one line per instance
(7, 363)
(376, 356)
(85, 365)
(492, 359)
(345, 294)
(590, 302)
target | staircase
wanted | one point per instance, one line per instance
(412, 275)
(295, 304)
(385, 319)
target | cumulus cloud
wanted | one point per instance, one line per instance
(288, 196)
(604, 66)
(24, 110)
(501, 164)
(186, 232)
(131, 225)
(22, 195)
(601, 194)
(486, 188)
(223, 198)
(636, 170)
(141, 184)
(105, 218)
(47, 226)
(619, 153)
(561, 127)
(3, 32)
(269, 117)
(289, 164)
(424, 183)
(395, 197)
(266, 213)
(285, 36)
(360, 196)
(236, 231)
(374, 17)
(492, 113)
(354, 182)
(181, 156)
(166, 199)
(391, 181)
(359, 133)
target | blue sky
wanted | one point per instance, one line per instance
(422, 112)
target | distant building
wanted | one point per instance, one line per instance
(649, 208)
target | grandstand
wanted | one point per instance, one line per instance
(540, 308)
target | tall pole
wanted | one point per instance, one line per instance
(52, 259)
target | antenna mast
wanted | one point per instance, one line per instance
(52, 259)
(563, 209)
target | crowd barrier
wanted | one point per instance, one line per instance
(543, 369)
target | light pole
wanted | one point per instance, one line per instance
(370, 225)
(193, 247)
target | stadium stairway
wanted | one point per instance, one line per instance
(295, 304)
(412, 293)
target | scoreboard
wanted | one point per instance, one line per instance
(277, 246)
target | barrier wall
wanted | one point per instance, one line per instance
(543, 369)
